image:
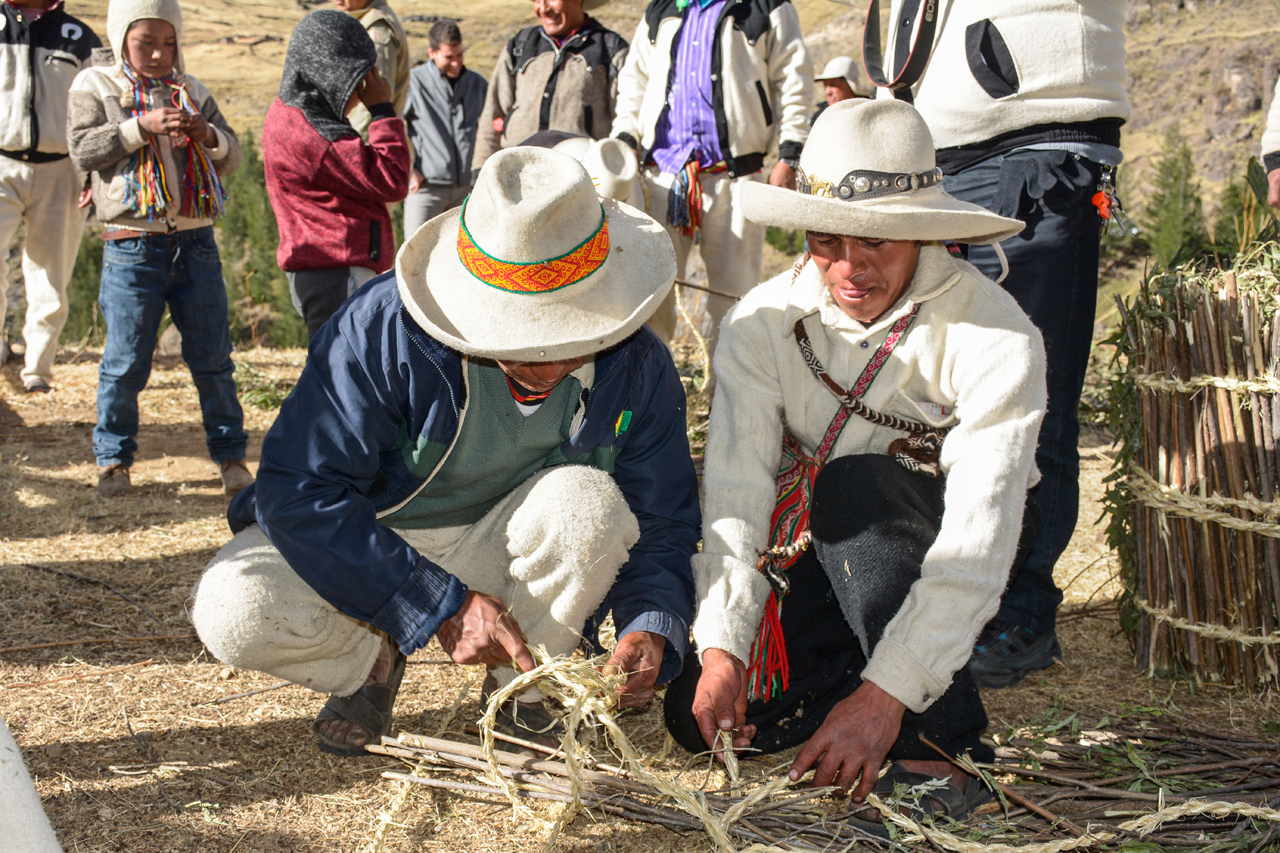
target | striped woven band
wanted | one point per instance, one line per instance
(535, 276)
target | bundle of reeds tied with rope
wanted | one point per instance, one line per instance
(1195, 402)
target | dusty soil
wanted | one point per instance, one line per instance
(130, 753)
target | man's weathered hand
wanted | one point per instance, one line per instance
(1273, 188)
(854, 739)
(484, 631)
(720, 700)
(639, 654)
(783, 176)
(416, 180)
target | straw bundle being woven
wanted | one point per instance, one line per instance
(1193, 498)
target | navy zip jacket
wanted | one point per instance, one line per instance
(372, 419)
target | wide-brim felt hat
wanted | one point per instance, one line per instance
(869, 170)
(535, 266)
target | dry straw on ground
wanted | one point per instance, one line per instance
(132, 754)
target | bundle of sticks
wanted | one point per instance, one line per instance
(1196, 505)
(1089, 790)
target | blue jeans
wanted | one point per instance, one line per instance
(140, 275)
(1053, 275)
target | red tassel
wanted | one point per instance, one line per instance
(770, 668)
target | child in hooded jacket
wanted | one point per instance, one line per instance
(155, 143)
(329, 189)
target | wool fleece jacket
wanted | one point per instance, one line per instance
(970, 361)
(539, 85)
(374, 417)
(331, 197)
(761, 81)
(1054, 67)
(103, 135)
(41, 58)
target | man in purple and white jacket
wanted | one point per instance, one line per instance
(709, 90)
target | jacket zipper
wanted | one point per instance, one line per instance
(31, 90)
(462, 416)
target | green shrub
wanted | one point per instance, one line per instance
(259, 307)
(1173, 219)
(785, 240)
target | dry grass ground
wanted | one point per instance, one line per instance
(131, 753)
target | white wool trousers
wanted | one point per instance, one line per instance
(550, 550)
(26, 827)
(44, 196)
(732, 247)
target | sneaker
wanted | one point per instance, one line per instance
(37, 386)
(114, 480)
(235, 476)
(1005, 653)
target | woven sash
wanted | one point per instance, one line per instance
(789, 536)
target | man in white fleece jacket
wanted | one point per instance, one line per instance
(865, 633)
(1025, 103)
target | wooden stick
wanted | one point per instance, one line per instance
(98, 581)
(77, 677)
(222, 700)
(1009, 792)
(89, 642)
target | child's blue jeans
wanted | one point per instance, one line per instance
(139, 276)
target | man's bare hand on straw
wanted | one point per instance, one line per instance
(484, 631)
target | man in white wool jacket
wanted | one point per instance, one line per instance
(914, 388)
(1025, 102)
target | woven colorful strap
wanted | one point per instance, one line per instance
(769, 671)
(534, 276)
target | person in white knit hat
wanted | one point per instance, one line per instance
(840, 80)
(487, 447)
(840, 590)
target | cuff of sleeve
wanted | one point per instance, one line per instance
(219, 151)
(896, 671)
(430, 595)
(1271, 161)
(731, 604)
(383, 110)
(130, 131)
(677, 634)
(790, 150)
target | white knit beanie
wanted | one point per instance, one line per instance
(121, 14)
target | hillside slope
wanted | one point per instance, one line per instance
(1209, 68)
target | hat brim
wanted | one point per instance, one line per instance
(929, 214)
(464, 313)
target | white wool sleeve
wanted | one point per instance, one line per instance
(1271, 136)
(744, 444)
(998, 371)
(633, 79)
(790, 74)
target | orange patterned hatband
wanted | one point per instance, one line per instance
(536, 276)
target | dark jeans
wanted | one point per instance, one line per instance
(140, 275)
(878, 519)
(1053, 275)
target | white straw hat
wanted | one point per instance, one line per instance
(535, 266)
(869, 170)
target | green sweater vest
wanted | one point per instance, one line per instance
(497, 449)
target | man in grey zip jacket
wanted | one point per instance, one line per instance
(45, 48)
(445, 100)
